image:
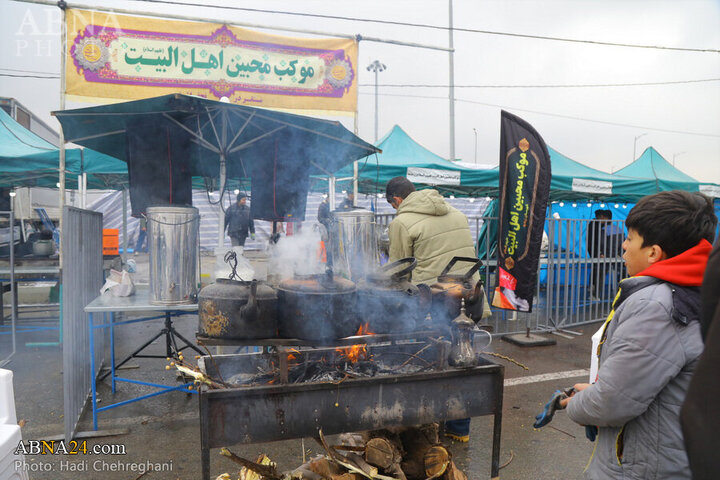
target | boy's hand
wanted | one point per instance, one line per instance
(578, 387)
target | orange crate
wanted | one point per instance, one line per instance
(111, 241)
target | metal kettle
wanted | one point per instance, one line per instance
(461, 351)
(450, 289)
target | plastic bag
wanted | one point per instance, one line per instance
(119, 284)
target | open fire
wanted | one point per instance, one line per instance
(358, 352)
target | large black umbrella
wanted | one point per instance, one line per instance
(179, 136)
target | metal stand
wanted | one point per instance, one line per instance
(171, 345)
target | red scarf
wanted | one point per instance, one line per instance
(685, 269)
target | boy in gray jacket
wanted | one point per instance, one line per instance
(650, 344)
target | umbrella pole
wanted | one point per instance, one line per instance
(221, 217)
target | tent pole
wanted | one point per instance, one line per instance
(221, 217)
(355, 163)
(61, 166)
(125, 223)
(331, 191)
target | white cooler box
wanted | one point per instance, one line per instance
(9, 438)
(10, 434)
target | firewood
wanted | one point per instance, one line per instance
(416, 445)
(381, 452)
(302, 473)
(437, 459)
(454, 473)
(323, 467)
(348, 476)
(267, 471)
(360, 462)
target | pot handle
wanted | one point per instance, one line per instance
(412, 261)
(469, 273)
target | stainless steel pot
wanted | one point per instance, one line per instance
(353, 243)
(173, 234)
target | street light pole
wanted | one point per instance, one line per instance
(376, 67)
(475, 131)
(676, 155)
(635, 144)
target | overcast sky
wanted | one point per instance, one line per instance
(596, 126)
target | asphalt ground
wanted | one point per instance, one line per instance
(165, 429)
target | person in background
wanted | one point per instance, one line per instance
(431, 230)
(348, 202)
(142, 236)
(650, 343)
(596, 249)
(323, 213)
(239, 222)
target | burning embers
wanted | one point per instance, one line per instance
(369, 357)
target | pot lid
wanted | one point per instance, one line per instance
(318, 283)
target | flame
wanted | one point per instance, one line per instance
(353, 353)
(364, 330)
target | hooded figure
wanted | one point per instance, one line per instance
(429, 229)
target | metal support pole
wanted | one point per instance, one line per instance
(331, 192)
(221, 188)
(452, 85)
(124, 224)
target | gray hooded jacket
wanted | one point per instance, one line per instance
(650, 349)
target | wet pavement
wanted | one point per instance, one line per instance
(165, 429)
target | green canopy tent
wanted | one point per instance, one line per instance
(30, 161)
(660, 175)
(403, 156)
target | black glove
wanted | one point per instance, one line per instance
(591, 432)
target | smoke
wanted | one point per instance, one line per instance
(296, 255)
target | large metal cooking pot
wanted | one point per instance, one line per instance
(173, 234)
(232, 309)
(317, 307)
(353, 243)
(451, 289)
(389, 303)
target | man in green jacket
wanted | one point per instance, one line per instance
(431, 230)
(428, 228)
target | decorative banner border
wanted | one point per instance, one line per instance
(115, 56)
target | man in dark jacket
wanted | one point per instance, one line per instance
(700, 419)
(650, 343)
(238, 221)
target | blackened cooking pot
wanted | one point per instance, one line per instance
(389, 303)
(232, 309)
(451, 289)
(317, 307)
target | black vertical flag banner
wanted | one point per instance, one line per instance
(524, 190)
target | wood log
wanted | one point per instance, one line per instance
(360, 462)
(348, 476)
(415, 444)
(381, 452)
(437, 459)
(325, 468)
(454, 473)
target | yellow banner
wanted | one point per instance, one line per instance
(123, 57)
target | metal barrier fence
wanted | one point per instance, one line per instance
(82, 277)
(578, 273)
